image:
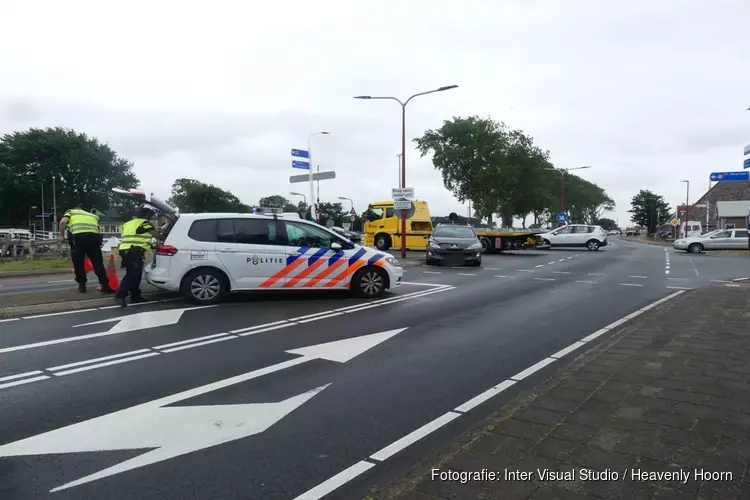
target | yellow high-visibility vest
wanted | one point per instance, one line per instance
(132, 239)
(81, 221)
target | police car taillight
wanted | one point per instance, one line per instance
(166, 250)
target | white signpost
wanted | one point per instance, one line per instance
(402, 193)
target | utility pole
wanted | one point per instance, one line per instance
(54, 203)
(42, 184)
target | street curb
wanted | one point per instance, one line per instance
(408, 481)
(36, 272)
(52, 307)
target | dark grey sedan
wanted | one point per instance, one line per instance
(454, 245)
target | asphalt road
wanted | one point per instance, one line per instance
(168, 401)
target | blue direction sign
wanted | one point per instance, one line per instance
(747, 149)
(746, 163)
(730, 176)
(561, 217)
(300, 153)
(301, 164)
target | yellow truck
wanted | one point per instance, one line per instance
(382, 230)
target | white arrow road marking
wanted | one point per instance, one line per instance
(175, 431)
(129, 323)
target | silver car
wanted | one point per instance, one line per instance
(721, 239)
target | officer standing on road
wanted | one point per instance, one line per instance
(135, 242)
(85, 240)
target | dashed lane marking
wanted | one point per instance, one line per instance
(431, 272)
(596, 274)
(540, 265)
(631, 284)
(525, 270)
(639, 277)
(679, 288)
(343, 477)
(544, 279)
(588, 282)
(560, 272)
(466, 274)
(501, 276)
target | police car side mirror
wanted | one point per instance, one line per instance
(335, 246)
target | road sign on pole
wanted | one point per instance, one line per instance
(402, 204)
(402, 193)
(747, 150)
(746, 163)
(730, 176)
(300, 153)
(353, 212)
(675, 222)
(352, 218)
(300, 164)
(561, 217)
(318, 176)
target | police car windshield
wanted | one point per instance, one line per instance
(454, 232)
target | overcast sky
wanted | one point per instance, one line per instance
(647, 93)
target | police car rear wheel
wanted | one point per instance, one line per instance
(204, 286)
(369, 283)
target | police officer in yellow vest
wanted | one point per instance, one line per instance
(135, 242)
(85, 240)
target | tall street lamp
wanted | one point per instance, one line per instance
(563, 171)
(304, 198)
(403, 146)
(313, 215)
(687, 207)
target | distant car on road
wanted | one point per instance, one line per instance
(721, 239)
(576, 235)
(454, 244)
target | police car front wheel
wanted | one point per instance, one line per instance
(369, 283)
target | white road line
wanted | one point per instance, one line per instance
(346, 475)
(588, 282)
(321, 317)
(540, 265)
(638, 277)
(94, 360)
(362, 308)
(572, 347)
(561, 260)
(679, 288)
(466, 274)
(493, 269)
(268, 329)
(532, 369)
(431, 272)
(630, 284)
(413, 283)
(551, 262)
(569, 258)
(596, 274)
(676, 278)
(256, 327)
(336, 481)
(108, 363)
(486, 395)
(189, 341)
(720, 281)
(560, 272)
(666, 272)
(741, 279)
(501, 276)
(10, 319)
(62, 281)
(61, 313)
(20, 375)
(414, 436)
(693, 264)
(525, 270)
(544, 279)
(24, 381)
(206, 342)
(732, 284)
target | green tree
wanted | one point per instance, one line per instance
(585, 201)
(278, 201)
(192, 196)
(647, 207)
(84, 170)
(334, 212)
(607, 224)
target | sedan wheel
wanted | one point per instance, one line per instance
(695, 248)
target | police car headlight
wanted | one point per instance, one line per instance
(432, 244)
(475, 246)
(393, 261)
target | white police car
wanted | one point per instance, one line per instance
(205, 256)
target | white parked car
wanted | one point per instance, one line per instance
(576, 235)
(721, 239)
(205, 256)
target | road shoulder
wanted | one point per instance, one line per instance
(669, 393)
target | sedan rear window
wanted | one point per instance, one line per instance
(454, 232)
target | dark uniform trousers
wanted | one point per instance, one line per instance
(132, 260)
(88, 245)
